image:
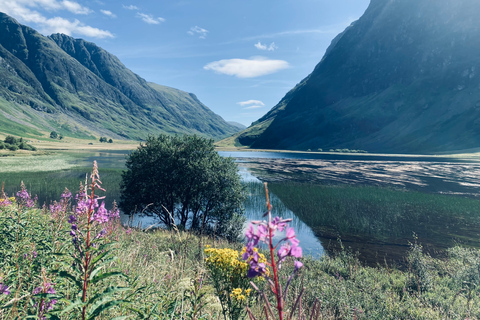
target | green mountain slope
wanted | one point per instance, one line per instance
(403, 78)
(75, 87)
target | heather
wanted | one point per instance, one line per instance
(174, 274)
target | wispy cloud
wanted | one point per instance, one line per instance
(108, 13)
(249, 102)
(202, 33)
(75, 7)
(148, 18)
(265, 47)
(247, 68)
(130, 7)
(21, 10)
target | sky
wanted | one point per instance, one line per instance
(239, 58)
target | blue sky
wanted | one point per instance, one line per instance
(239, 57)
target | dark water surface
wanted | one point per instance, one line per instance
(373, 203)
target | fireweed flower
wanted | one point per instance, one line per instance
(289, 247)
(44, 305)
(265, 233)
(4, 289)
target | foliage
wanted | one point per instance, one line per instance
(183, 178)
(103, 139)
(53, 135)
(13, 144)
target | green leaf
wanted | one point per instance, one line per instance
(104, 306)
(66, 275)
(106, 275)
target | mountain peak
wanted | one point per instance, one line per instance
(72, 86)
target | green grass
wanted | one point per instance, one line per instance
(162, 267)
(40, 163)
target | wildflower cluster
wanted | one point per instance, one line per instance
(90, 222)
(239, 294)
(229, 275)
(24, 198)
(44, 305)
(5, 201)
(226, 260)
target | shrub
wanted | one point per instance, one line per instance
(53, 135)
(12, 147)
(10, 140)
(185, 178)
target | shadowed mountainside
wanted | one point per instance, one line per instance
(404, 78)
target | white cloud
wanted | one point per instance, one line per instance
(253, 107)
(249, 102)
(75, 7)
(130, 7)
(108, 13)
(260, 46)
(148, 18)
(247, 68)
(20, 9)
(202, 33)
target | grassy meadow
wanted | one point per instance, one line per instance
(161, 274)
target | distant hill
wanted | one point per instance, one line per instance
(76, 88)
(237, 125)
(403, 78)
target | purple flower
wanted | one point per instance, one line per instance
(101, 216)
(72, 219)
(4, 289)
(298, 265)
(66, 194)
(55, 207)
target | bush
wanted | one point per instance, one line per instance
(11, 140)
(53, 135)
(186, 177)
(12, 147)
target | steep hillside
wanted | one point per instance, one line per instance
(403, 78)
(77, 88)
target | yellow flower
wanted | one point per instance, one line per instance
(237, 294)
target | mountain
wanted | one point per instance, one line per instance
(404, 78)
(76, 88)
(237, 125)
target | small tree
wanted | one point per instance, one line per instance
(186, 177)
(11, 140)
(53, 135)
(110, 140)
(103, 139)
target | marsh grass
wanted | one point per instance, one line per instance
(371, 217)
(48, 185)
(36, 163)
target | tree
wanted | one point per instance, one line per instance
(186, 177)
(11, 140)
(103, 139)
(53, 135)
(110, 140)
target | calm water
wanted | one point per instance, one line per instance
(420, 175)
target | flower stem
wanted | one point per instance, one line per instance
(278, 291)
